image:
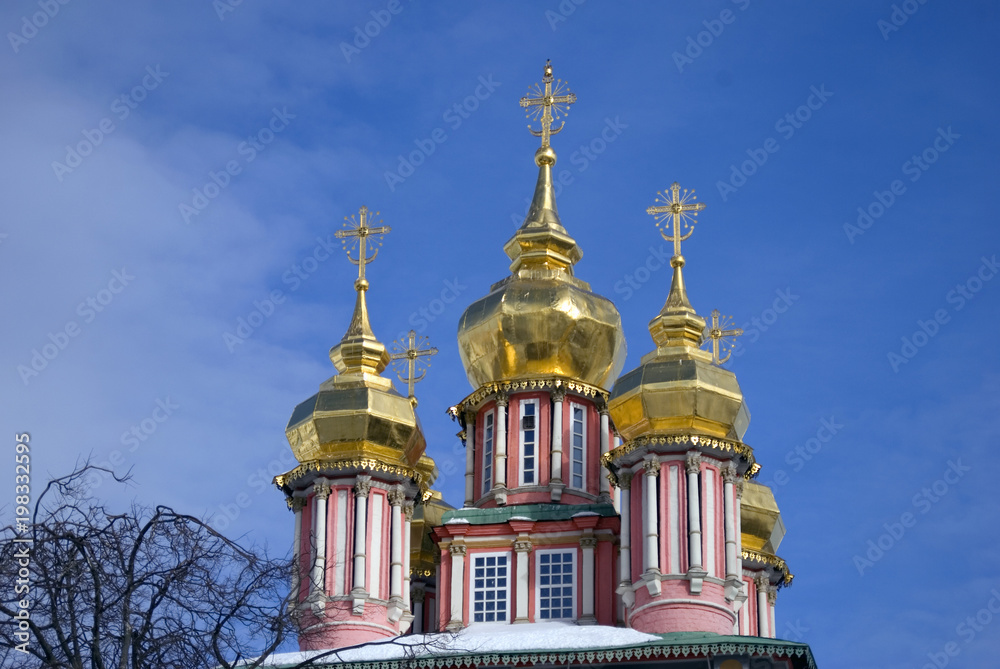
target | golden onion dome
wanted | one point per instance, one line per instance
(542, 321)
(357, 414)
(762, 527)
(679, 388)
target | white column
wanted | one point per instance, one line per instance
(407, 551)
(361, 490)
(396, 555)
(624, 546)
(729, 499)
(319, 528)
(470, 458)
(694, 512)
(500, 464)
(651, 553)
(587, 544)
(558, 395)
(772, 599)
(744, 615)
(418, 610)
(340, 585)
(605, 447)
(457, 585)
(763, 617)
(522, 554)
(739, 529)
(711, 557)
(296, 504)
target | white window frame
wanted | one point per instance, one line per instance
(583, 462)
(489, 449)
(536, 471)
(472, 586)
(538, 582)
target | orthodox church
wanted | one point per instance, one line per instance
(608, 517)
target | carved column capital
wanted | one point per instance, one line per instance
(739, 488)
(652, 467)
(558, 394)
(396, 496)
(624, 480)
(729, 474)
(457, 549)
(363, 486)
(522, 546)
(772, 596)
(588, 542)
(418, 594)
(502, 399)
(693, 463)
(296, 504)
(762, 582)
(408, 510)
(322, 490)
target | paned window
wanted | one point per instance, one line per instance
(488, 438)
(555, 585)
(490, 588)
(529, 442)
(578, 441)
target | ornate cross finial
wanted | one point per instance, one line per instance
(548, 104)
(720, 336)
(682, 210)
(416, 368)
(355, 236)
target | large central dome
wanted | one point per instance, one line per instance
(542, 321)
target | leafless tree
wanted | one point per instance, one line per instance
(150, 588)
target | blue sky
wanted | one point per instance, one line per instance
(885, 107)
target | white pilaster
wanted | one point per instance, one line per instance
(696, 570)
(763, 616)
(522, 554)
(407, 549)
(361, 489)
(340, 585)
(556, 483)
(376, 546)
(587, 545)
(674, 518)
(319, 529)
(624, 545)
(396, 555)
(500, 464)
(470, 458)
(711, 557)
(772, 599)
(651, 553)
(457, 585)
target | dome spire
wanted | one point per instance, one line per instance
(542, 241)
(359, 352)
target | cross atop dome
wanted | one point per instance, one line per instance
(547, 104)
(415, 366)
(680, 210)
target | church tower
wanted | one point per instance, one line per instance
(536, 540)
(683, 469)
(361, 470)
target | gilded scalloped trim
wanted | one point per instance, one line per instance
(772, 560)
(489, 389)
(305, 468)
(694, 439)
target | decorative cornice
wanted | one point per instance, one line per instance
(426, 573)
(770, 560)
(296, 504)
(549, 383)
(364, 464)
(737, 447)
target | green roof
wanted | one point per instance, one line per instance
(502, 514)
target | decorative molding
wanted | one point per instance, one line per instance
(772, 596)
(693, 463)
(729, 474)
(408, 510)
(770, 560)
(522, 546)
(625, 480)
(322, 490)
(296, 504)
(502, 399)
(506, 387)
(457, 549)
(588, 542)
(558, 394)
(652, 467)
(363, 486)
(763, 583)
(396, 496)
(739, 489)
(364, 464)
(737, 447)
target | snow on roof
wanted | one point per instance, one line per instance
(478, 638)
(585, 513)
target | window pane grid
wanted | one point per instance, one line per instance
(577, 447)
(489, 589)
(528, 442)
(555, 586)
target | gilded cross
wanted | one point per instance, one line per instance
(547, 103)
(416, 369)
(682, 210)
(719, 335)
(360, 232)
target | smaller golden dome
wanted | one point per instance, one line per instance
(762, 527)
